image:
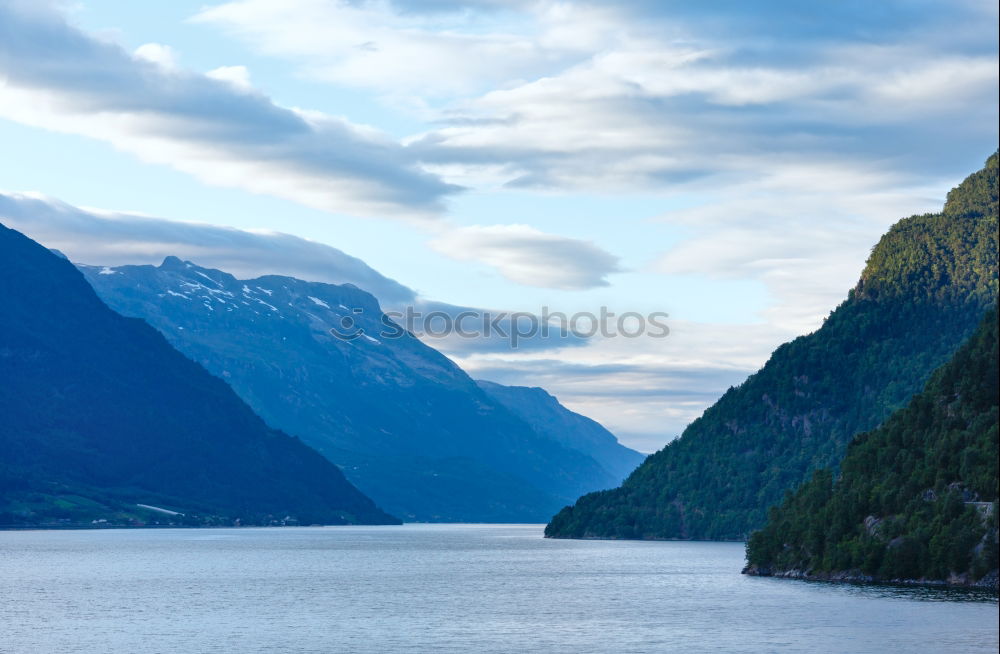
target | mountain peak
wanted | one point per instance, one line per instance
(174, 263)
(138, 422)
(404, 422)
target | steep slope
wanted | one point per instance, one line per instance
(552, 420)
(917, 496)
(925, 286)
(100, 414)
(406, 425)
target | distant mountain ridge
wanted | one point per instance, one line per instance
(104, 421)
(405, 424)
(917, 497)
(551, 419)
(922, 292)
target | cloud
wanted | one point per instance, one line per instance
(650, 95)
(115, 239)
(525, 255)
(437, 49)
(644, 406)
(108, 238)
(159, 54)
(687, 118)
(213, 126)
(238, 76)
(805, 231)
(644, 390)
(800, 133)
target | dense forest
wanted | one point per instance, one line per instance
(922, 293)
(916, 499)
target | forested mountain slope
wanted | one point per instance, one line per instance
(99, 415)
(924, 288)
(916, 499)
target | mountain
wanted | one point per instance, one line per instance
(405, 424)
(552, 420)
(917, 497)
(104, 421)
(921, 294)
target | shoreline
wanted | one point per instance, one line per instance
(652, 540)
(99, 527)
(989, 581)
(104, 527)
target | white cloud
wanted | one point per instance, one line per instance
(624, 96)
(444, 51)
(238, 76)
(113, 239)
(631, 119)
(214, 126)
(645, 390)
(528, 256)
(804, 230)
(157, 53)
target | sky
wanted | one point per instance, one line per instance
(730, 164)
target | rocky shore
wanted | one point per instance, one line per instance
(965, 580)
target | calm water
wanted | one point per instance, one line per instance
(442, 588)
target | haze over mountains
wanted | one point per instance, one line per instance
(405, 424)
(924, 289)
(413, 431)
(103, 419)
(552, 420)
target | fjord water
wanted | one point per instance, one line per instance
(443, 588)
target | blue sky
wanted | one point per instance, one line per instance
(728, 163)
